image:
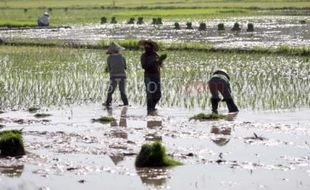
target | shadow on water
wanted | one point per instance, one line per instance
(153, 176)
(12, 171)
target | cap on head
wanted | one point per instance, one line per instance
(46, 14)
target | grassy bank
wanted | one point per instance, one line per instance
(17, 23)
(63, 16)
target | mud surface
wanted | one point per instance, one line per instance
(268, 32)
(256, 150)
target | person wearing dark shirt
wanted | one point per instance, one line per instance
(151, 62)
(219, 82)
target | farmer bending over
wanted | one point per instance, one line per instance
(219, 82)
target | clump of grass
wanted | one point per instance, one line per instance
(42, 115)
(113, 20)
(236, 27)
(202, 26)
(104, 120)
(33, 109)
(140, 20)
(189, 25)
(221, 27)
(154, 155)
(208, 117)
(131, 21)
(177, 26)
(250, 27)
(103, 20)
(11, 143)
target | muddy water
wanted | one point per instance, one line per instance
(257, 150)
(269, 32)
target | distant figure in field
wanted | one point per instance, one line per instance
(151, 62)
(116, 68)
(219, 82)
(43, 20)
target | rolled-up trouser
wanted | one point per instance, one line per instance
(217, 85)
(153, 91)
(121, 82)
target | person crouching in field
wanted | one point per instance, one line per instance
(151, 62)
(219, 82)
(43, 20)
(116, 68)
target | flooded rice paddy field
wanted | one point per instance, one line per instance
(269, 32)
(266, 146)
(67, 149)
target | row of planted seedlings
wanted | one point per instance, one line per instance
(220, 27)
(66, 76)
(177, 26)
(132, 20)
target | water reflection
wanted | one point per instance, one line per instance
(153, 124)
(156, 177)
(221, 135)
(117, 158)
(12, 171)
(118, 133)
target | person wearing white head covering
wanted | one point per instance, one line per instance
(44, 20)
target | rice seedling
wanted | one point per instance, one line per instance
(42, 115)
(103, 20)
(104, 120)
(202, 26)
(250, 27)
(177, 26)
(11, 143)
(236, 27)
(189, 26)
(140, 20)
(33, 109)
(220, 27)
(154, 155)
(208, 117)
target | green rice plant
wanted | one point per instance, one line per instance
(250, 27)
(104, 120)
(42, 115)
(11, 143)
(177, 26)
(202, 26)
(208, 117)
(154, 155)
(220, 27)
(33, 109)
(189, 26)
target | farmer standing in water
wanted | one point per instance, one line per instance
(219, 82)
(116, 67)
(151, 62)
